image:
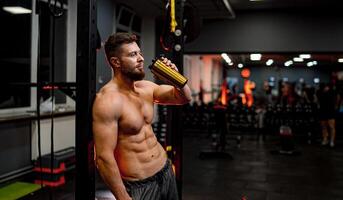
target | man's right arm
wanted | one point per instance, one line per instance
(106, 113)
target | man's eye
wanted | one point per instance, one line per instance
(133, 54)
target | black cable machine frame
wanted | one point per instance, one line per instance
(55, 12)
(175, 112)
(85, 93)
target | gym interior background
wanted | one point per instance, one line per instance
(297, 43)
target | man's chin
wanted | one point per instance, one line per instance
(138, 77)
(134, 75)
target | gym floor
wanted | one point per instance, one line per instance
(254, 172)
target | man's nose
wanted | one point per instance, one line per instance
(140, 58)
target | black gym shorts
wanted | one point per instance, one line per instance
(161, 186)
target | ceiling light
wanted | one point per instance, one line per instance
(314, 62)
(309, 64)
(340, 60)
(298, 59)
(269, 62)
(255, 56)
(16, 10)
(316, 80)
(240, 65)
(305, 56)
(288, 63)
(229, 8)
(226, 58)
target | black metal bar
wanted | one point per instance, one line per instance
(39, 90)
(85, 92)
(42, 84)
(175, 111)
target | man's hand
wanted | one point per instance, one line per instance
(167, 94)
(167, 62)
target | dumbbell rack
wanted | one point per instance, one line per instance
(218, 131)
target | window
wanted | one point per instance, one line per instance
(128, 21)
(19, 50)
(15, 54)
(46, 51)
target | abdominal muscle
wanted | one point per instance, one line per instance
(139, 156)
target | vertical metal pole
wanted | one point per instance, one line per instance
(176, 125)
(85, 92)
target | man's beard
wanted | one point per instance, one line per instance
(133, 74)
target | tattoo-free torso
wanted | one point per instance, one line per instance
(138, 153)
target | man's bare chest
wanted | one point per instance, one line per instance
(136, 112)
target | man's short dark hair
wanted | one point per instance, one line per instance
(115, 41)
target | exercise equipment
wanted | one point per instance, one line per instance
(86, 90)
(286, 140)
(191, 25)
(293, 124)
(53, 176)
(17, 190)
(301, 118)
(218, 133)
(242, 121)
(56, 10)
(160, 126)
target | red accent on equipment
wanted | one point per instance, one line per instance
(61, 168)
(61, 181)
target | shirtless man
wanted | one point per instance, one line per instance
(128, 156)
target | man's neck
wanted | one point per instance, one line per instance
(124, 83)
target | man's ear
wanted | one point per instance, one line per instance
(115, 62)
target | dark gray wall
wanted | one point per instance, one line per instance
(106, 24)
(15, 146)
(271, 32)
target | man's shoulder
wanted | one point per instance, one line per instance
(145, 83)
(108, 92)
(107, 104)
(109, 97)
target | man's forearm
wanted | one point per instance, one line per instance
(109, 172)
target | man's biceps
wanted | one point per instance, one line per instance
(104, 132)
(105, 140)
(164, 90)
(105, 123)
